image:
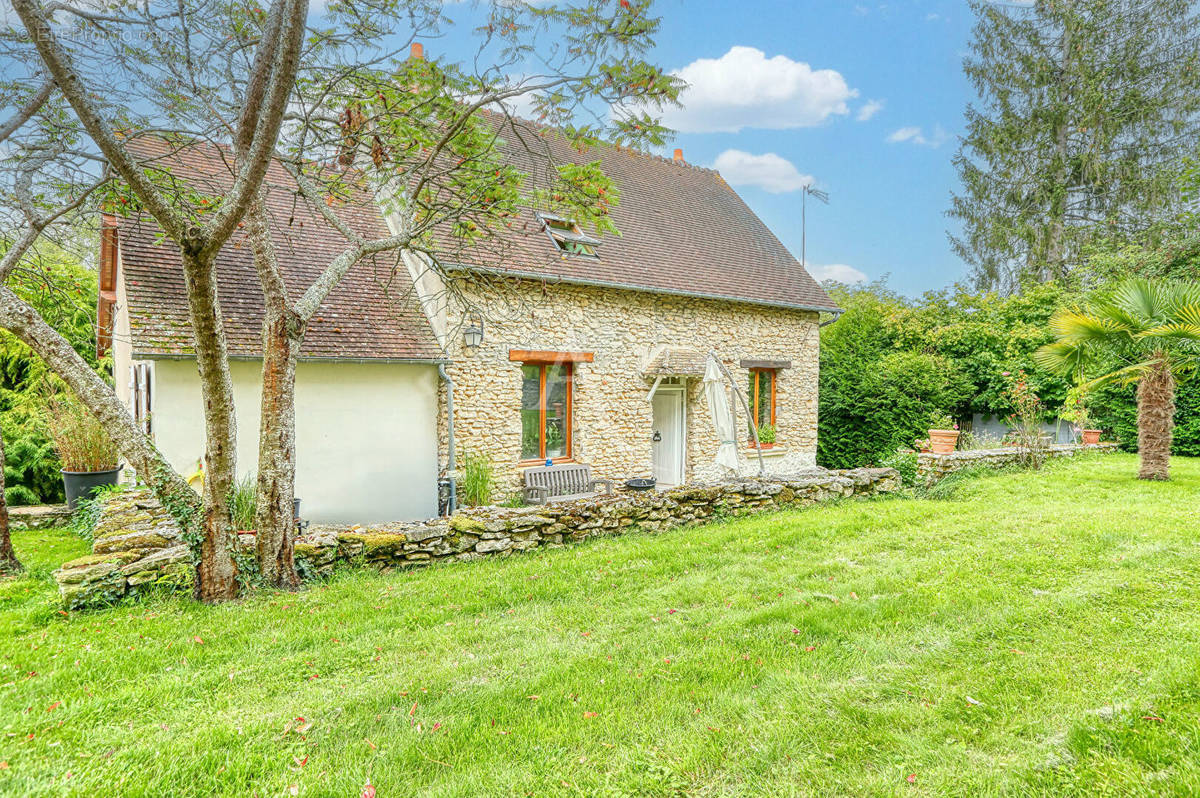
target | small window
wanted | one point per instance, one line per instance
(761, 396)
(567, 236)
(546, 411)
(141, 385)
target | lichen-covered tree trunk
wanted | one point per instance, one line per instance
(9, 564)
(277, 451)
(216, 572)
(282, 334)
(1156, 420)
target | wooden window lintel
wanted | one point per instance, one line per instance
(548, 357)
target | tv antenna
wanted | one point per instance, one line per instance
(818, 194)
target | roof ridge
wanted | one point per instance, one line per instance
(542, 126)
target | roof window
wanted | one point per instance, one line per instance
(567, 236)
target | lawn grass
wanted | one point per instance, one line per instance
(1034, 634)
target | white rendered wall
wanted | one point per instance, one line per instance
(366, 434)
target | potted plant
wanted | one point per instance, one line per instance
(766, 435)
(87, 454)
(1076, 413)
(943, 434)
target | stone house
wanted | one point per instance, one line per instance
(555, 345)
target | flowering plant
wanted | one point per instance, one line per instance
(1075, 410)
(1025, 422)
(942, 421)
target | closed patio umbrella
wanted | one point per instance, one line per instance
(722, 415)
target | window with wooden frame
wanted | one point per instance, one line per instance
(546, 410)
(761, 397)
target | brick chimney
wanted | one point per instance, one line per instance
(678, 155)
(418, 51)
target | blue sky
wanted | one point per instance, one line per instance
(880, 140)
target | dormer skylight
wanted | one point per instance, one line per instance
(567, 236)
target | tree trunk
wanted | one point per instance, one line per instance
(282, 334)
(216, 573)
(1156, 420)
(277, 450)
(9, 564)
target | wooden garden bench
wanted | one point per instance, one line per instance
(560, 483)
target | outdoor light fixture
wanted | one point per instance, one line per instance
(473, 334)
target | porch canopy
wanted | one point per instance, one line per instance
(675, 361)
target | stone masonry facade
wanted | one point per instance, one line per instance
(138, 548)
(611, 418)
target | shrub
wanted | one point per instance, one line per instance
(64, 292)
(766, 433)
(87, 510)
(476, 485)
(906, 464)
(1026, 422)
(870, 409)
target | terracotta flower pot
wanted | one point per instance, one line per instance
(943, 441)
(1091, 437)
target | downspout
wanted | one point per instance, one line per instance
(451, 464)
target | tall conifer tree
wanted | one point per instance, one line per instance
(1086, 110)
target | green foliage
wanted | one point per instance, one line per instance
(876, 396)
(477, 483)
(905, 463)
(1120, 334)
(766, 433)
(63, 291)
(961, 349)
(87, 511)
(243, 502)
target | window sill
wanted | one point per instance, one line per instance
(774, 451)
(542, 462)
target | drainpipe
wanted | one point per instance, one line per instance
(451, 464)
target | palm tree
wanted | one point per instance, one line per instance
(1144, 331)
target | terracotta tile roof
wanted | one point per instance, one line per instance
(683, 231)
(371, 314)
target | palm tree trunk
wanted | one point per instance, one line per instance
(1156, 420)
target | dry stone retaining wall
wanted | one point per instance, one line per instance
(934, 467)
(38, 516)
(138, 547)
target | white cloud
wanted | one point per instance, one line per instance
(838, 272)
(744, 88)
(916, 135)
(868, 110)
(769, 171)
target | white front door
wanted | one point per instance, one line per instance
(668, 436)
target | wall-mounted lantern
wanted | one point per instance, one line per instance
(473, 334)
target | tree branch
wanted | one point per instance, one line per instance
(63, 71)
(27, 111)
(255, 159)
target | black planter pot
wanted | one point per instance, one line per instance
(80, 484)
